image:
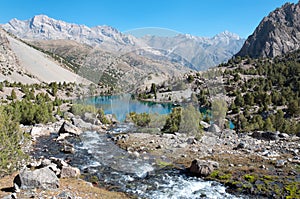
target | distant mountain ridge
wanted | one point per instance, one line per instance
(277, 34)
(199, 51)
(194, 52)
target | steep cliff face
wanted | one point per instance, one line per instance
(277, 34)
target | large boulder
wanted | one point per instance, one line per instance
(202, 168)
(67, 127)
(69, 172)
(42, 178)
(38, 131)
(81, 124)
(91, 118)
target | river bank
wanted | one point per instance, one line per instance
(54, 137)
(260, 164)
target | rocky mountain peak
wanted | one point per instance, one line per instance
(277, 34)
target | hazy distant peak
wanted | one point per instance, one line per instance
(228, 34)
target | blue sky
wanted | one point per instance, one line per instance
(196, 17)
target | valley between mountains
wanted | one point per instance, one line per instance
(91, 112)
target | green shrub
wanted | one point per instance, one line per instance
(101, 117)
(140, 119)
(11, 138)
(250, 178)
(80, 109)
(28, 112)
(173, 121)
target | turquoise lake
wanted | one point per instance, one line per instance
(121, 105)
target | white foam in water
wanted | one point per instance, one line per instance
(180, 188)
(128, 178)
(143, 171)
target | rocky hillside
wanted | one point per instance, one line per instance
(193, 52)
(125, 71)
(22, 63)
(277, 34)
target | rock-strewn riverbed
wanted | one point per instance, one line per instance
(262, 164)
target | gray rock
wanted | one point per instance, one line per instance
(42, 178)
(7, 197)
(270, 135)
(135, 154)
(35, 163)
(45, 162)
(205, 124)
(241, 145)
(182, 145)
(68, 148)
(69, 172)
(62, 136)
(53, 167)
(38, 131)
(191, 141)
(78, 122)
(65, 195)
(280, 163)
(283, 135)
(67, 127)
(214, 128)
(59, 162)
(202, 168)
(257, 134)
(90, 118)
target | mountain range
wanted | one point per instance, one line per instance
(197, 53)
(104, 54)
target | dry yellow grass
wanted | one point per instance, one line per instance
(76, 187)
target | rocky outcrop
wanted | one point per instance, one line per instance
(8, 60)
(277, 34)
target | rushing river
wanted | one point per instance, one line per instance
(96, 155)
